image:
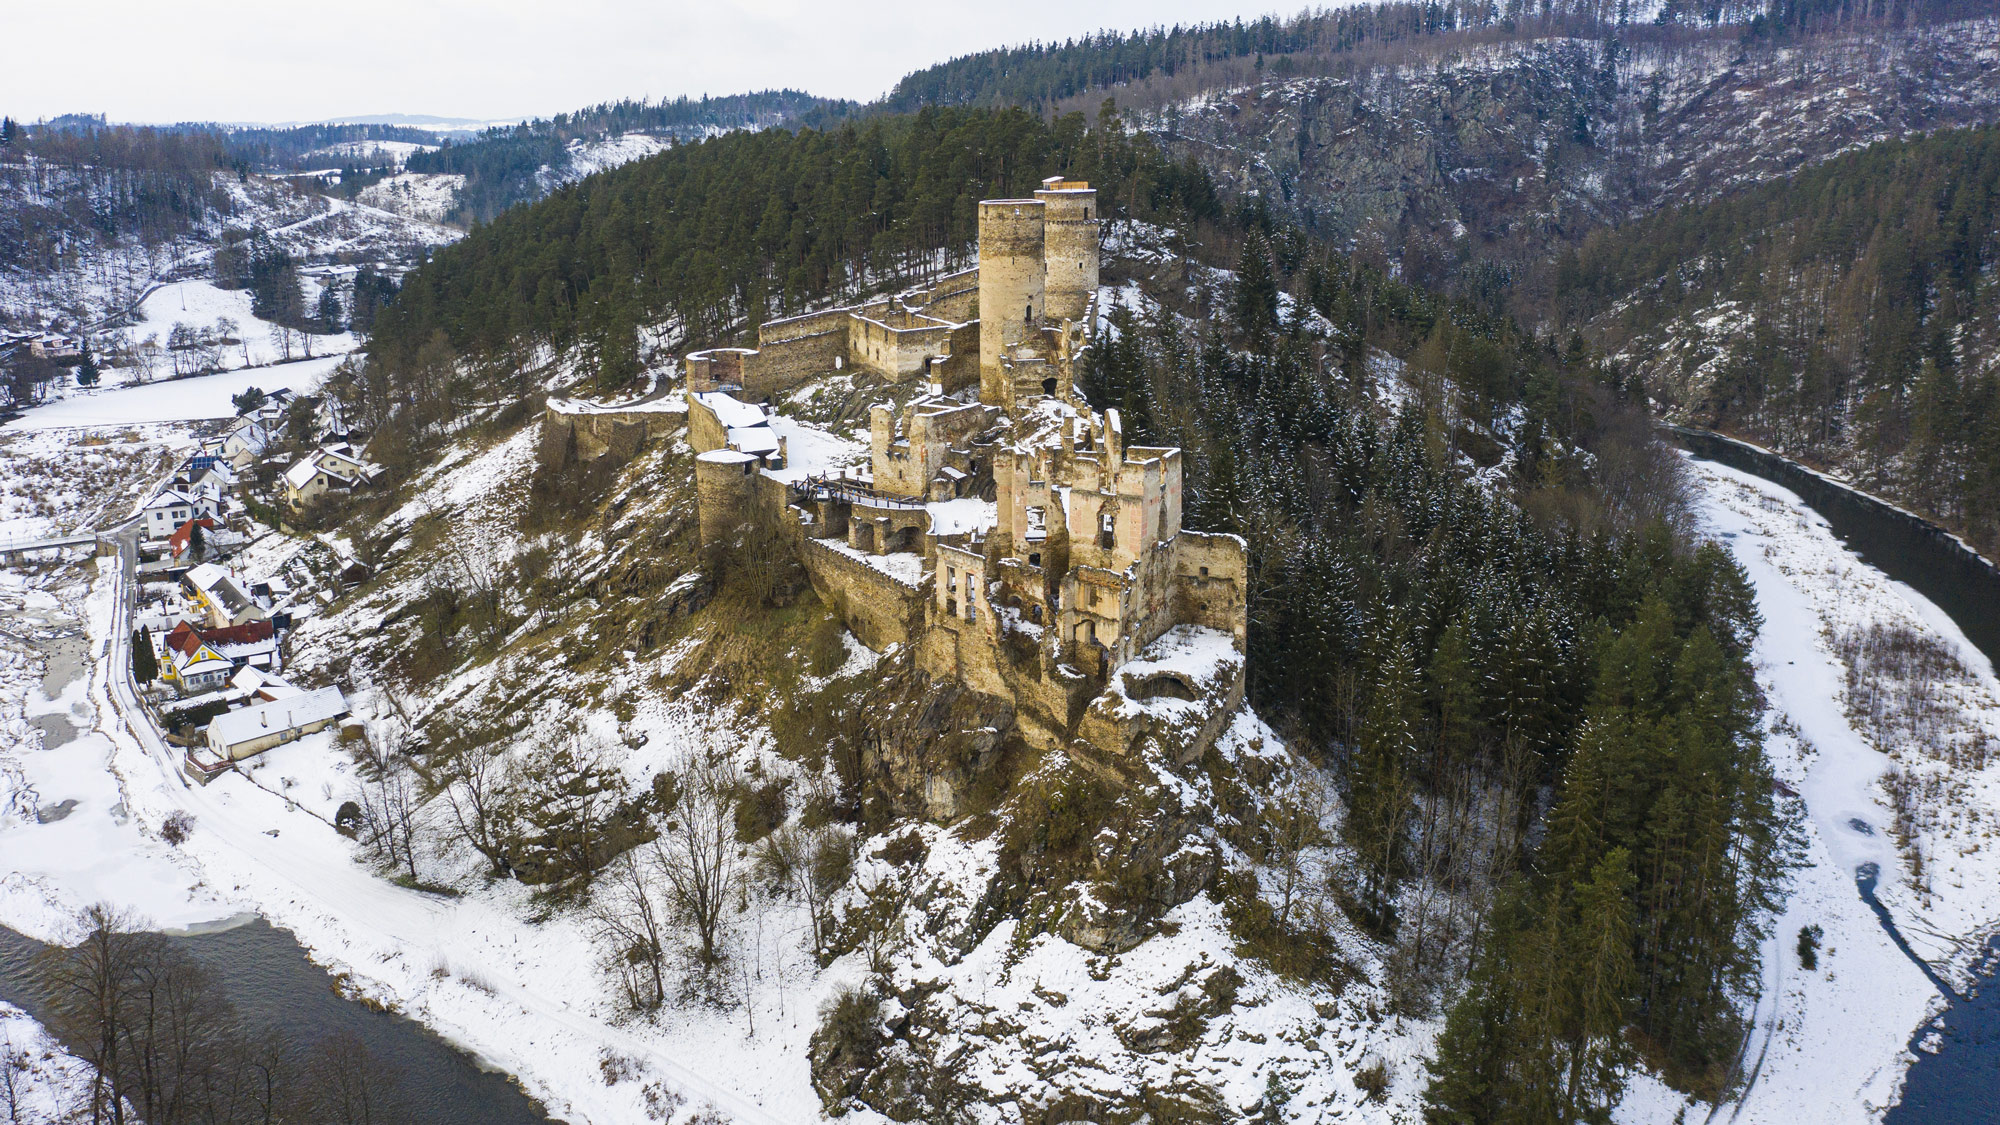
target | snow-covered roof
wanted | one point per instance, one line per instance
(168, 497)
(726, 456)
(754, 439)
(731, 411)
(288, 713)
(301, 474)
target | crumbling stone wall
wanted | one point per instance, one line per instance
(572, 432)
(880, 610)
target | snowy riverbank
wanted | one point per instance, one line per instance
(1831, 1044)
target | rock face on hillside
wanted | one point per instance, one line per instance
(1501, 150)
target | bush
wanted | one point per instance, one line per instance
(1809, 937)
(178, 827)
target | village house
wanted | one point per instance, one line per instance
(171, 507)
(323, 471)
(236, 735)
(221, 597)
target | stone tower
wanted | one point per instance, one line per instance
(1069, 248)
(1011, 274)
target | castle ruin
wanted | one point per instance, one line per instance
(1011, 536)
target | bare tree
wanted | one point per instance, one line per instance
(697, 852)
(391, 801)
(476, 792)
(630, 920)
(89, 989)
(1294, 824)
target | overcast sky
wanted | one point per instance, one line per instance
(289, 60)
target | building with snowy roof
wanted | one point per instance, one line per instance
(236, 735)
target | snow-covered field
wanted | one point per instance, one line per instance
(172, 400)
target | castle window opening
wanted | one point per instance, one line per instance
(1029, 316)
(1048, 386)
(1106, 534)
(1037, 523)
(1204, 572)
(1035, 614)
(1035, 559)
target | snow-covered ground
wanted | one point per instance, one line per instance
(429, 196)
(42, 1083)
(172, 400)
(1831, 1044)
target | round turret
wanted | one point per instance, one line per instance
(1069, 254)
(1010, 287)
(725, 483)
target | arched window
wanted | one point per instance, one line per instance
(1029, 316)
(1106, 528)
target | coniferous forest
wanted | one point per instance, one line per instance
(1861, 297)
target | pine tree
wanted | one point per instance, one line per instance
(145, 668)
(1381, 792)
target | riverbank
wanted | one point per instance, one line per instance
(1831, 1044)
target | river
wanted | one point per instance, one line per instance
(271, 983)
(1956, 1077)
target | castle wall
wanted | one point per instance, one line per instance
(779, 366)
(894, 353)
(1212, 582)
(880, 610)
(960, 369)
(955, 297)
(570, 430)
(705, 431)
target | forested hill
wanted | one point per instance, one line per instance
(1153, 66)
(516, 164)
(1846, 316)
(749, 225)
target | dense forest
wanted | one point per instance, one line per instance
(715, 235)
(1051, 76)
(1536, 697)
(1860, 298)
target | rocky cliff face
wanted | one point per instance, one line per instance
(1503, 152)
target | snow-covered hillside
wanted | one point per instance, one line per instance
(75, 277)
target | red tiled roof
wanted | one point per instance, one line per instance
(186, 638)
(178, 541)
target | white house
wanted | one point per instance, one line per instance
(236, 735)
(321, 470)
(244, 442)
(166, 512)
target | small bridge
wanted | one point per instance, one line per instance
(823, 487)
(20, 549)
